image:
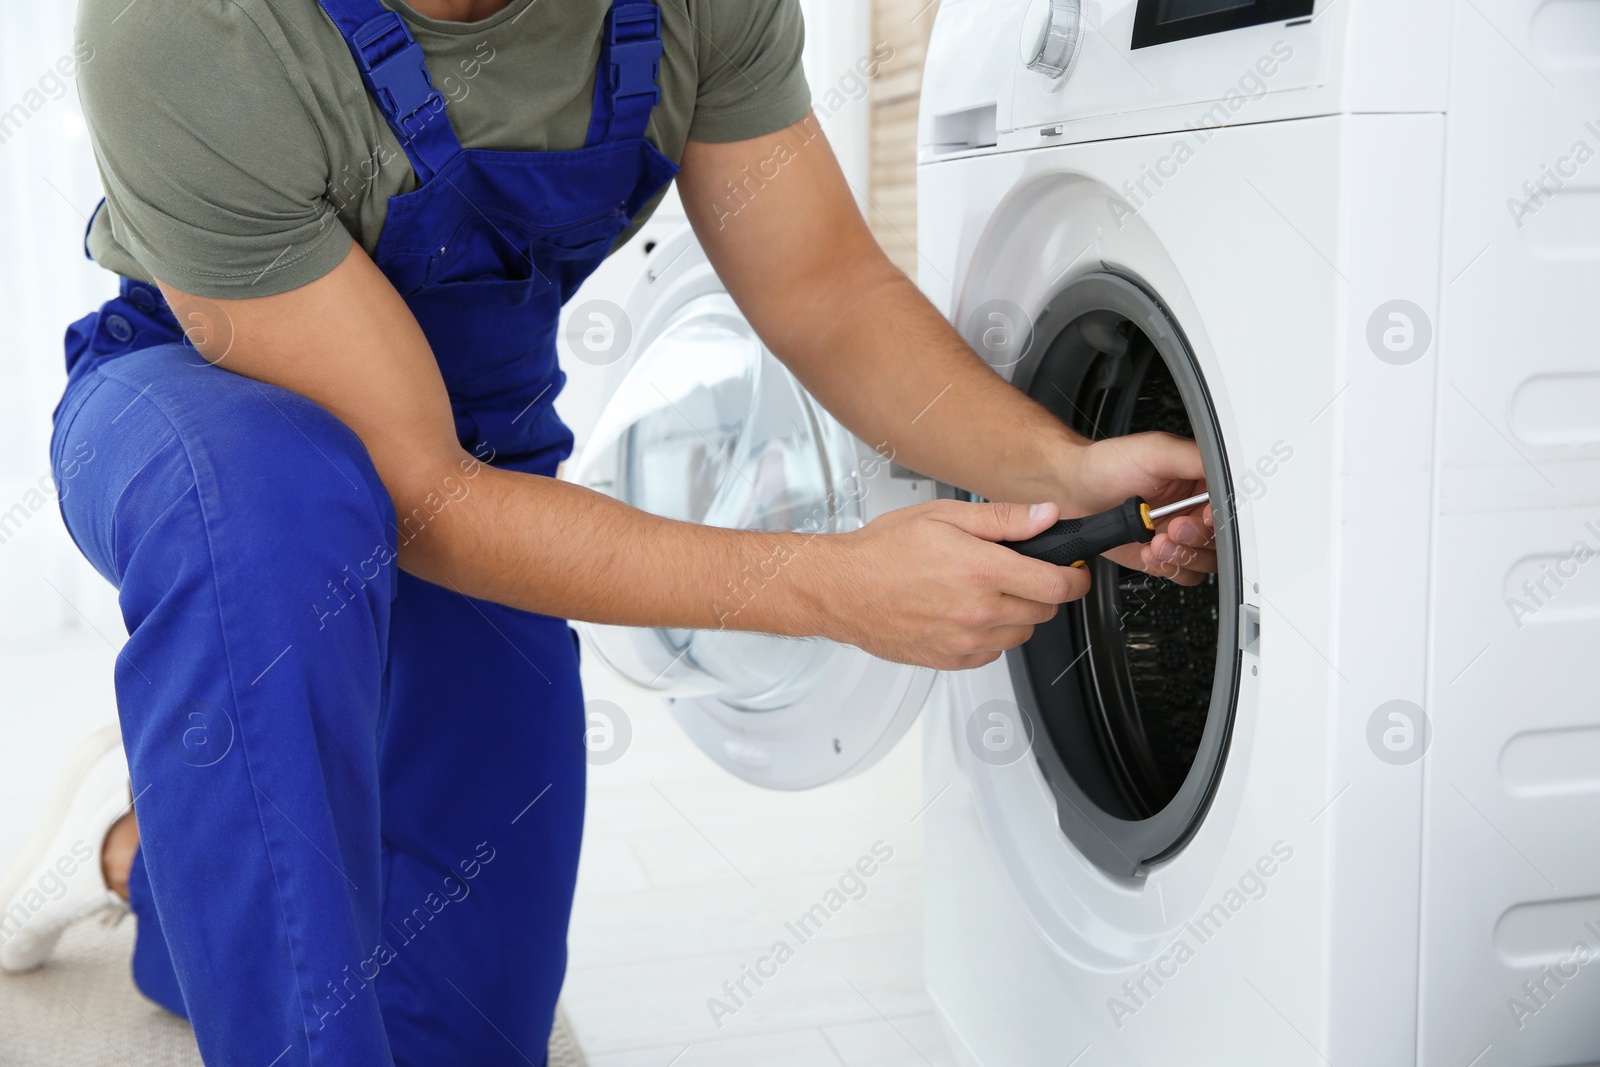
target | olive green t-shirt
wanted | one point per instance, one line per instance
(240, 150)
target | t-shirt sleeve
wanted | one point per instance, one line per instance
(215, 175)
(752, 81)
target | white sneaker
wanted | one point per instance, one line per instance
(57, 881)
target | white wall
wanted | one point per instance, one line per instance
(838, 39)
(49, 186)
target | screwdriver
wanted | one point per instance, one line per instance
(1072, 542)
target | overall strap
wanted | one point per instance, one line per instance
(625, 90)
(391, 65)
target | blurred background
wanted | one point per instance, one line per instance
(688, 875)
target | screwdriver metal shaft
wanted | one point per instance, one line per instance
(1182, 505)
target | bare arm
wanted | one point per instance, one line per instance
(796, 254)
(348, 342)
(799, 259)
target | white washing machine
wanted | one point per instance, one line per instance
(1340, 805)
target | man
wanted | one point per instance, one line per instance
(357, 830)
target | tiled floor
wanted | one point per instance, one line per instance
(690, 880)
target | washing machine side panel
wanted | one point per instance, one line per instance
(1512, 880)
(1523, 255)
(1393, 168)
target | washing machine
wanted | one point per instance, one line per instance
(1337, 805)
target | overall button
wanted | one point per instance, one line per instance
(119, 329)
(141, 298)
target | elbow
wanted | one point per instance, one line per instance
(429, 501)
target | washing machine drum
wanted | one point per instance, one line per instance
(1131, 691)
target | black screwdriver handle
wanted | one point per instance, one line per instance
(1073, 542)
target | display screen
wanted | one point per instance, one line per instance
(1163, 21)
(1177, 10)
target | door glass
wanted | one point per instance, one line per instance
(708, 427)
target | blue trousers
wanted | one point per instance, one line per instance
(360, 795)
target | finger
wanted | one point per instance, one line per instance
(1006, 638)
(1190, 530)
(1189, 564)
(982, 646)
(1166, 551)
(1185, 578)
(1131, 556)
(1021, 612)
(1165, 457)
(1173, 572)
(996, 521)
(1018, 576)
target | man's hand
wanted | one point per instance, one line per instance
(1163, 469)
(928, 585)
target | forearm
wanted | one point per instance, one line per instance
(878, 355)
(808, 273)
(558, 549)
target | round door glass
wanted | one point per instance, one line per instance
(708, 427)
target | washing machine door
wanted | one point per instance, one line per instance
(703, 424)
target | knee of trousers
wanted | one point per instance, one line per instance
(166, 464)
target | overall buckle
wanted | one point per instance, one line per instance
(635, 38)
(399, 80)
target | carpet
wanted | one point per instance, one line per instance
(82, 1010)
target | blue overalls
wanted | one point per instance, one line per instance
(360, 795)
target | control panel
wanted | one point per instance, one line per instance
(1007, 75)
